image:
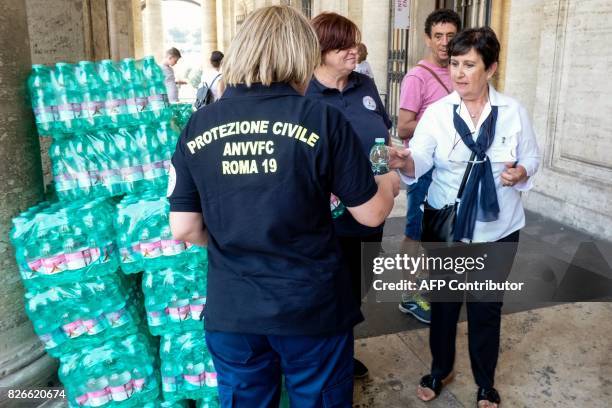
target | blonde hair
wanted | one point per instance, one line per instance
(274, 44)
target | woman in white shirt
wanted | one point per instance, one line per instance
(213, 77)
(477, 119)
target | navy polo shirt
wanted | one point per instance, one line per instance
(361, 105)
(260, 165)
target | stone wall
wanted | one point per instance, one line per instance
(559, 67)
(22, 359)
(56, 30)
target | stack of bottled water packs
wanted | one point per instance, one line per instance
(118, 373)
(89, 96)
(174, 288)
(112, 126)
(65, 243)
(144, 237)
(80, 259)
(187, 370)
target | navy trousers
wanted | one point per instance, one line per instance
(483, 318)
(318, 370)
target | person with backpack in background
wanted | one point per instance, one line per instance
(212, 82)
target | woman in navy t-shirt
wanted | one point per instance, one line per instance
(355, 95)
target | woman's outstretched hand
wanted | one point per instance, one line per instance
(401, 159)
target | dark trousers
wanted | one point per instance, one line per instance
(355, 258)
(318, 370)
(484, 322)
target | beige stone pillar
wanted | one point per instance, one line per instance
(221, 33)
(137, 29)
(209, 29)
(23, 362)
(375, 34)
(120, 29)
(65, 30)
(56, 30)
(337, 6)
(355, 13)
(96, 29)
(500, 20)
(229, 23)
(153, 29)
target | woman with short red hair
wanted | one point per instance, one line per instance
(335, 83)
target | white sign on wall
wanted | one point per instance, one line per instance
(402, 13)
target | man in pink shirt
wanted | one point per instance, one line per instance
(423, 85)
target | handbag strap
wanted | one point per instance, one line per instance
(435, 76)
(465, 176)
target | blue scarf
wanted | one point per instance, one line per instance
(483, 205)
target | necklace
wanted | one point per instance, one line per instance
(473, 115)
(478, 112)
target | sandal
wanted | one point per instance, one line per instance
(434, 384)
(489, 395)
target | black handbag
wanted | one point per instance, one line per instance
(438, 225)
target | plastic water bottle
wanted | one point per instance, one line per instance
(94, 94)
(336, 207)
(95, 160)
(157, 93)
(111, 175)
(69, 98)
(211, 373)
(129, 161)
(120, 386)
(64, 180)
(171, 377)
(146, 140)
(137, 98)
(168, 137)
(75, 254)
(139, 378)
(116, 108)
(96, 324)
(379, 157)
(99, 394)
(43, 100)
(209, 401)
(169, 245)
(192, 378)
(80, 159)
(196, 307)
(150, 243)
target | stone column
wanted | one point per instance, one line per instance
(355, 13)
(56, 30)
(209, 29)
(229, 23)
(337, 6)
(65, 30)
(120, 29)
(500, 20)
(153, 30)
(137, 25)
(375, 34)
(221, 34)
(96, 32)
(23, 362)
